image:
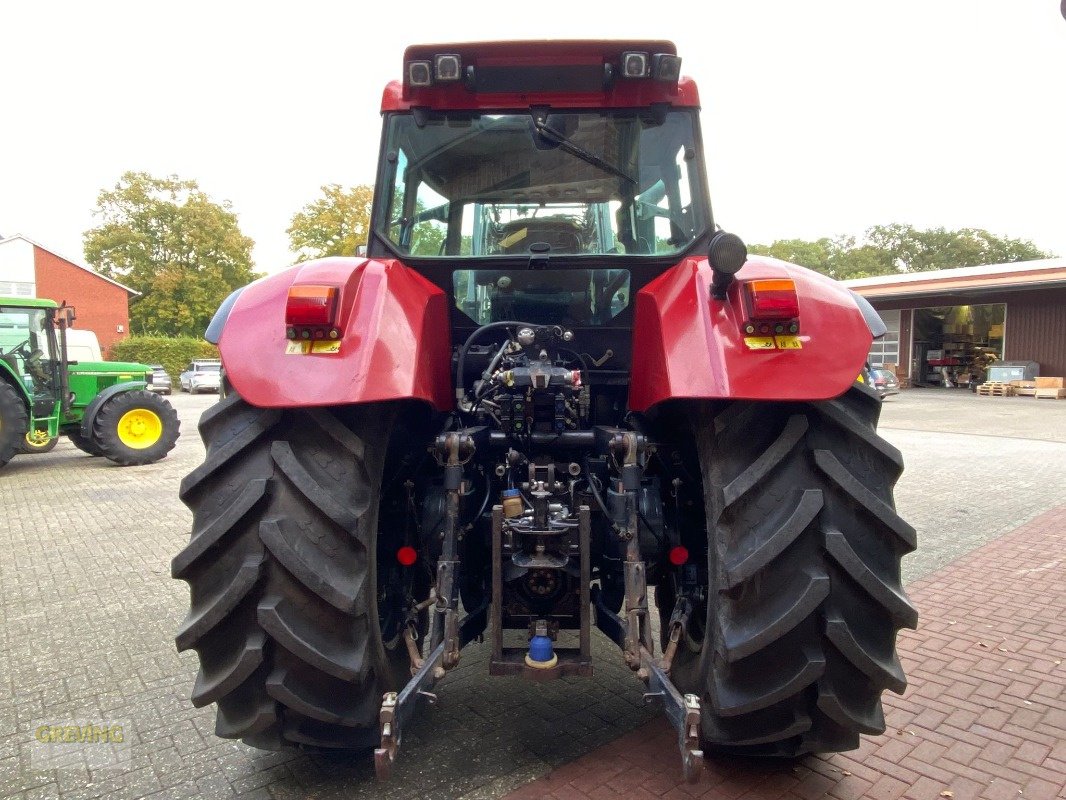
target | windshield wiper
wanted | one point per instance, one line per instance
(541, 124)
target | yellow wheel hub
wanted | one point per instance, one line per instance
(139, 428)
(37, 438)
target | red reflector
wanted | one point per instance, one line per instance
(773, 299)
(678, 555)
(407, 555)
(311, 305)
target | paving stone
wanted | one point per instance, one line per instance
(986, 755)
(88, 612)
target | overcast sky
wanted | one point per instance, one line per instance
(819, 117)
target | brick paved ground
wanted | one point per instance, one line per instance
(88, 613)
(984, 715)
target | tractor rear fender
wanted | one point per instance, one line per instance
(97, 403)
(393, 344)
(687, 344)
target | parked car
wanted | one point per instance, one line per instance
(885, 382)
(161, 381)
(201, 376)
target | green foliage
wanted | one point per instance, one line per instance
(168, 240)
(333, 225)
(889, 249)
(173, 352)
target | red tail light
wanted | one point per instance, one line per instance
(773, 299)
(311, 305)
(678, 555)
(407, 555)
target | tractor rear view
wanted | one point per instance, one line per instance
(551, 388)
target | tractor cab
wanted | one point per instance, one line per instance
(550, 212)
(31, 355)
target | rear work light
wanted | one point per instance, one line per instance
(419, 73)
(660, 66)
(447, 67)
(310, 311)
(666, 67)
(773, 300)
(634, 65)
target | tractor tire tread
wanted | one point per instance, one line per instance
(804, 559)
(291, 655)
(14, 422)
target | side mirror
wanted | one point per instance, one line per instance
(727, 254)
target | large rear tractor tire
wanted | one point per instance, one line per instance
(805, 595)
(135, 428)
(282, 568)
(14, 423)
(86, 445)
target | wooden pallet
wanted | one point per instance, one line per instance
(1050, 394)
(996, 389)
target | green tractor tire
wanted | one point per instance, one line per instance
(14, 422)
(135, 428)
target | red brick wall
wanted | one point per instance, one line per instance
(102, 307)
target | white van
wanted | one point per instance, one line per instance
(82, 346)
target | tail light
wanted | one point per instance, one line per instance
(773, 299)
(678, 555)
(311, 305)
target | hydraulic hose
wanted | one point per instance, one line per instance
(460, 391)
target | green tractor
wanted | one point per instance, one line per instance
(102, 407)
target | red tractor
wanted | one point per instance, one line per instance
(551, 384)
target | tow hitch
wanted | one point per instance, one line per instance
(543, 663)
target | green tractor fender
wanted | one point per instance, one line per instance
(97, 403)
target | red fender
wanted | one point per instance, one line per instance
(395, 342)
(688, 345)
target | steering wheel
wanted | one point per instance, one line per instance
(31, 358)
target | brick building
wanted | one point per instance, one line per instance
(29, 269)
(942, 320)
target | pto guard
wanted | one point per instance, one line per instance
(394, 339)
(686, 344)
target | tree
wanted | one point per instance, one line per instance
(908, 249)
(888, 249)
(333, 225)
(168, 240)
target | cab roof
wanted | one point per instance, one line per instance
(28, 302)
(560, 73)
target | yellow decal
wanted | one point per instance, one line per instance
(789, 343)
(760, 342)
(861, 379)
(320, 347)
(515, 237)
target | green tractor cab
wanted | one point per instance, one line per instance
(102, 407)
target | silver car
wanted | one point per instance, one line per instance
(201, 376)
(884, 382)
(161, 382)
